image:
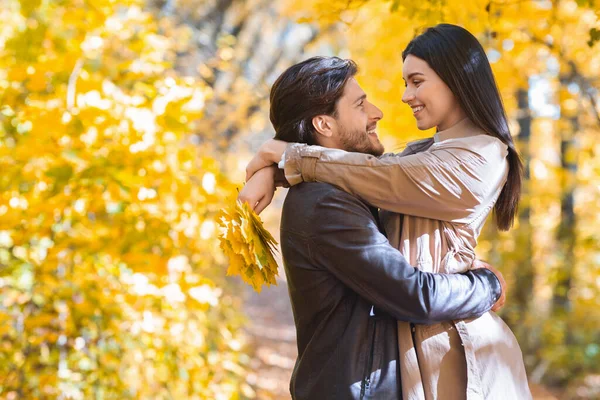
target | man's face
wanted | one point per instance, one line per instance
(356, 122)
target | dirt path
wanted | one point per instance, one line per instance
(273, 338)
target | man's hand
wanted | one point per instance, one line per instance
(259, 190)
(269, 153)
(502, 299)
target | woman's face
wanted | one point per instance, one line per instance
(431, 100)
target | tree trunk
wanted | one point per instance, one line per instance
(522, 293)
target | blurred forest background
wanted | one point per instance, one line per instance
(125, 126)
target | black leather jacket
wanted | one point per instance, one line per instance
(338, 266)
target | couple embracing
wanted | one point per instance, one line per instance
(389, 301)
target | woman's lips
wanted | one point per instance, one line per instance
(417, 109)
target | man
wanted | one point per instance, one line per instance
(348, 286)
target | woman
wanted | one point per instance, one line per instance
(438, 194)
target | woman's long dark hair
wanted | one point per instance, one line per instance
(460, 61)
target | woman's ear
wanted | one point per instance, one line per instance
(323, 125)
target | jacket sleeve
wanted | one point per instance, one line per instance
(348, 243)
(447, 184)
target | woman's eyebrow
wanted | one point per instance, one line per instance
(413, 74)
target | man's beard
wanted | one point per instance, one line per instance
(359, 142)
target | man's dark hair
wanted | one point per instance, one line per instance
(460, 61)
(304, 91)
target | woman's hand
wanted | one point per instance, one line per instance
(259, 190)
(269, 153)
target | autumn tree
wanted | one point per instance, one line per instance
(111, 284)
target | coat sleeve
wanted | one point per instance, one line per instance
(446, 183)
(348, 243)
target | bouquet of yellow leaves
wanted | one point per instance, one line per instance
(249, 246)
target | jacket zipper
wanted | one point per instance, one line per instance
(366, 383)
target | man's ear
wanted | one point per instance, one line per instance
(323, 125)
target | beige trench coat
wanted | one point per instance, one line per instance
(436, 203)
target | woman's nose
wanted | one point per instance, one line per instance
(407, 96)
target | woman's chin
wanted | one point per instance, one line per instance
(423, 125)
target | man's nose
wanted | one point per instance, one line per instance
(375, 113)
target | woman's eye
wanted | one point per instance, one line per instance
(416, 83)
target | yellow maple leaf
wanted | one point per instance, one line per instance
(236, 262)
(248, 245)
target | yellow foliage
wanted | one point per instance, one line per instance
(107, 244)
(249, 246)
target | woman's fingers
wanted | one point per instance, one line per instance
(251, 203)
(250, 196)
(262, 204)
(257, 204)
(259, 189)
(265, 200)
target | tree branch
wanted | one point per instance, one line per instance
(72, 85)
(576, 75)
